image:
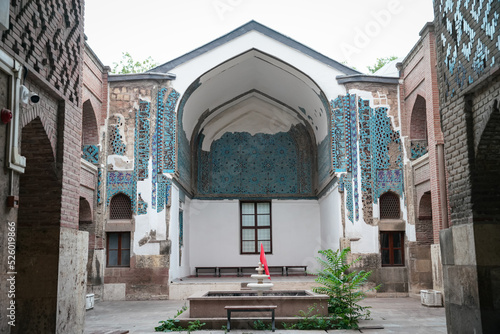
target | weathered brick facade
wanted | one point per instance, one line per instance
(425, 188)
(46, 39)
(469, 88)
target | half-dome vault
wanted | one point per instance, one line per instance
(254, 121)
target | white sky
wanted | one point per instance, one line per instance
(355, 31)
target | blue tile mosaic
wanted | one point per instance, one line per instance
(121, 182)
(142, 141)
(377, 141)
(418, 149)
(90, 153)
(142, 206)
(116, 141)
(262, 164)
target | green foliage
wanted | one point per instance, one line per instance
(343, 286)
(128, 65)
(261, 326)
(172, 325)
(380, 63)
(311, 320)
(195, 325)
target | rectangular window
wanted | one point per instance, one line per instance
(255, 227)
(392, 248)
(118, 249)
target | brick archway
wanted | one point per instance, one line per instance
(423, 227)
(38, 235)
(486, 180)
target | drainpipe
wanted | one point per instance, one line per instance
(442, 185)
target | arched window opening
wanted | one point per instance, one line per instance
(418, 128)
(120, 207)
(389, 206)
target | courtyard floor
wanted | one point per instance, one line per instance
(395, 315)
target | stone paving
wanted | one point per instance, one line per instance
(395, 315)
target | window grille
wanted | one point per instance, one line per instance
(389, 206)
(120, 207)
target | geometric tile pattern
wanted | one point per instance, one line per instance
(163, 147)
(418, 149)
(166, 131)
(162, 191)
(382, 136)
(142, 141)
(99, 184)
(354, 151)
(338, 136)
(90, 153)
(261, 164)
(142, 207)
(116, 141)
(380, 156)
(121, 182)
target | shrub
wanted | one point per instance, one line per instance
(343, 286)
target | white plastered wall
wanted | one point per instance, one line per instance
(214, 234)
(331, 219)
(179, 267)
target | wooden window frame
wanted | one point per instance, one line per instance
(392, 249)
(256, 228)
(119, 249)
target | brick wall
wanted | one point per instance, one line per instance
(469, 84)
(421, 114)
(47, 36)
(460, 75)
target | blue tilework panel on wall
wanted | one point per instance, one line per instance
(116, 141)
(142, 141)
(90, 153)
(121, 182)
(379, 147)
(142, 206)
(324, 161)
(262, 165)
(469, 43)
(338, 136)
(99, 184)
(166, 131)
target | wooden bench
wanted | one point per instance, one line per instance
(251, 308)
(272, 269)
(296, 267)
(214, 269)
(236, 270)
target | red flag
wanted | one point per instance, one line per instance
(263, 260)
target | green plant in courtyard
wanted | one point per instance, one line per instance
(172, 325)
(261, 326)
(195, 325)
(343, 286)
(311, 320)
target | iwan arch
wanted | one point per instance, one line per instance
(253, 138)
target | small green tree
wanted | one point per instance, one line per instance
(343, 286)
(128, 65)
(380, 63)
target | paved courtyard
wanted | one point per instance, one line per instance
(393, 315)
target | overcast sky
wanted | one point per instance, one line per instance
(353, 31)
